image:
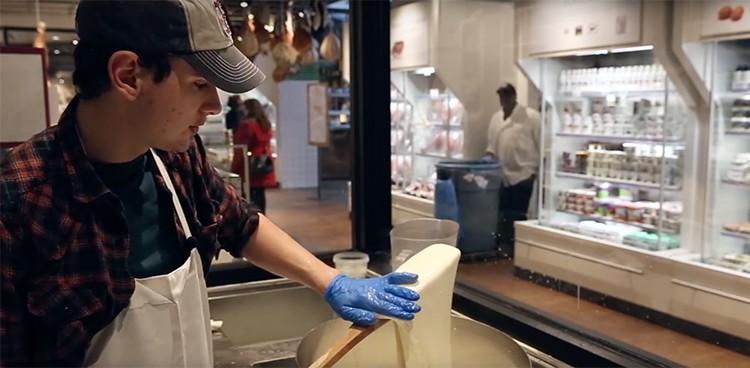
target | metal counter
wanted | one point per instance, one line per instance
(263, 322)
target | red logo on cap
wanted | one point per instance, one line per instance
(222, 19)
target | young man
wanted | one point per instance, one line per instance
(109, 220)
(513, 136)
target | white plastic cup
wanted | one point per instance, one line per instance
(352, 264)
(411, 237)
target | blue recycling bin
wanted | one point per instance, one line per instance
(468, 192)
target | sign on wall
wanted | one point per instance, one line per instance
(410, 41)
(565, 25)
(725, 18)
(317, 115)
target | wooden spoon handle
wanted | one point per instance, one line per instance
(343, 345)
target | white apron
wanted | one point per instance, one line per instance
(167, 322)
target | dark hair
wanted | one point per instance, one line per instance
(90, 74)
(234, 101)
(256, 111)
(506, 89)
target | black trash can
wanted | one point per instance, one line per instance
(468, 192)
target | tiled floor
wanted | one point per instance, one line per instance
(323, 225)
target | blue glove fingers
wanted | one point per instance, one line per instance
(401, 278)
(357, 316)
(392, 310)
(401, 303)
(402, 292)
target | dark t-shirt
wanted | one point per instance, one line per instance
(232, 119)
(150, 216)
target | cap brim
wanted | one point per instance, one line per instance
(228, 69)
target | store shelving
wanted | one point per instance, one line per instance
(621, 138)
(728, 179)
(734, 234)
(634, 184)
(736, 184)
(426, 128)
(647, 227)
(617, 130)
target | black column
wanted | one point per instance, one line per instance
(370, 88)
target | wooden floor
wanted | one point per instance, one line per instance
(324, 225)
(498, 278)
(318, 224)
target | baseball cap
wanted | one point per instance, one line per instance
(196, 30)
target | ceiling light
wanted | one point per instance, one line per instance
(427, 71)
(301, 14)
(268, 27)
(243, 4)
(75, 42)
(55, 38)
(61, 81)
(595, 52)
(632, 49)
(56, 52)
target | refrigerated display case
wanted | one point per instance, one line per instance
(628, 194)
(401, 139)
(426, 127)
(616, 138)
(727, 241)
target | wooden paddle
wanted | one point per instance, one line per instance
(351, 338)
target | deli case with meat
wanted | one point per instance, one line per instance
(440, 103)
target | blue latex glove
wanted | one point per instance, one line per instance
(358, 300)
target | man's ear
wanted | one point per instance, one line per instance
(125, 74)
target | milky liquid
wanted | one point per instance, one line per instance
(426, 340)
(434, 338)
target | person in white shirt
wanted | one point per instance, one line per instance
(513, 140)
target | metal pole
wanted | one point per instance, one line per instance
(370, 74)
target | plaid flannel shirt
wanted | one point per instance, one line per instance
(64, 241)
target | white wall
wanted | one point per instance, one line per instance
(297, 163)
(474, 54)
(57, 20)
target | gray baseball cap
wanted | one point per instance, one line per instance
(196, 30)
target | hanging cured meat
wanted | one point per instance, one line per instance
(40, 39)
(262, 19)
(302, 41)
(330, 48)
(310, 56)
(245, 39)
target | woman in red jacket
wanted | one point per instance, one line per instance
(254, 131)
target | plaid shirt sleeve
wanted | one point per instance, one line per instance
(13, 331)
(237, 218)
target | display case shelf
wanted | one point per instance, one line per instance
(432, 155)
(735, 95)
(339, 112)
(735, 234)
(739, 133)
(431, 117)
(621, 138)
(736, 184)
(605, 93)
(611, 219)
(439, 96)
(617, 181)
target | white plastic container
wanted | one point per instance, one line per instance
(352, 264)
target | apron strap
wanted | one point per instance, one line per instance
(175, 200)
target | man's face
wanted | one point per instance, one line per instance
(507, 100)
(174, 108)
